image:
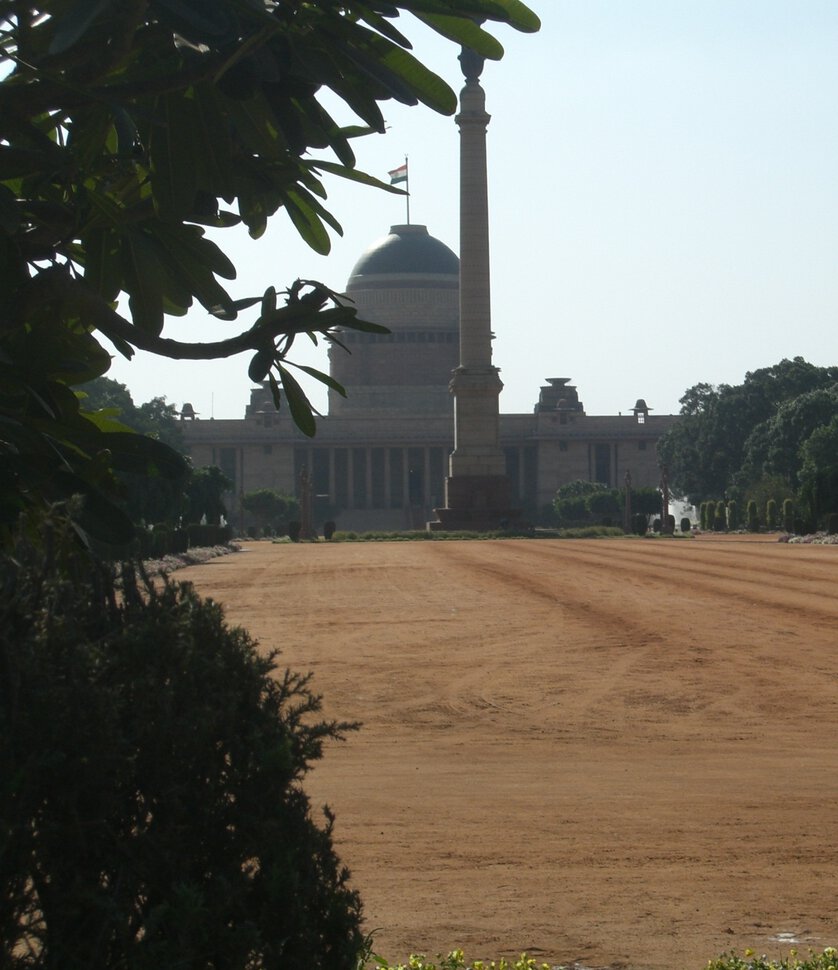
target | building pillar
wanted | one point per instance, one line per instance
(368, 477)
(405, 479)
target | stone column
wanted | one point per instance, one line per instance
(477, 491)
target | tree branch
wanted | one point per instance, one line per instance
(56, 287)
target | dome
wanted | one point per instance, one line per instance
(406, 251)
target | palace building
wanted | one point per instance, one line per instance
(380, 457)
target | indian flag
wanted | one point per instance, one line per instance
(398, 174)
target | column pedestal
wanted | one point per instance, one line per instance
(478, 493)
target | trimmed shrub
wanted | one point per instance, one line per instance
(832, 523)
(686, 525)
(208, 535)
(328, 530)
(720, 517)
(709, 514)
(753, 518)
(151, 763)
(788, 515)
(639, 524)
(160, 541)
(702, 516)
(732, 515)
(656, 525)
(771, 515)
(294, 530)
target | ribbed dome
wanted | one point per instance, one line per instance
(406, 250)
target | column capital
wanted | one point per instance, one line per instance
(472, 105)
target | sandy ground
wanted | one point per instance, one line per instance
(606, 753)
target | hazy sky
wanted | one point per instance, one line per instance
(663, 204)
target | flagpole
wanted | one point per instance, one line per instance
(407, 187)
(402, 174)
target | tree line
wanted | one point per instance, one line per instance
(774, 437)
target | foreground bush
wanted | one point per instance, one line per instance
(151, 808)
(826, 960)
(456, 960)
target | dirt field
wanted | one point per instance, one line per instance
(607, 753)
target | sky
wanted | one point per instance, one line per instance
(663, 193)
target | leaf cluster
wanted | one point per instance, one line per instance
(129, 127)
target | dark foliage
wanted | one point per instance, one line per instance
(728, 433)
(788, 515)
(205, 492)
(581, 503)
(151, 809)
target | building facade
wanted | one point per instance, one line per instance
(380, 456)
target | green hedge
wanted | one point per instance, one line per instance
(209, 535)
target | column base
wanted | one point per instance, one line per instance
(476, 503)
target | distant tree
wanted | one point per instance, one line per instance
(819, 471)
(605, 504)
(580, 488)
(269, 507)
(154, 418)
(773, 447)
(788, 514)
(709, 514)
(571, 502)
(205, 494)
(145, 496)
(646, 500)
(706, 450)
